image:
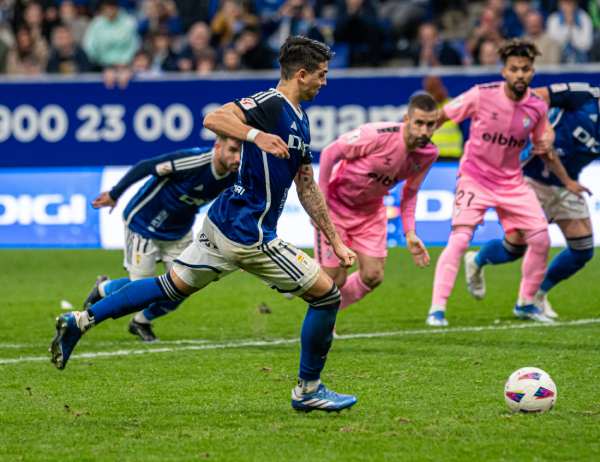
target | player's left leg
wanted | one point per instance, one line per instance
(141, 324)
(580, 250)
(368, 276)
(288, 269)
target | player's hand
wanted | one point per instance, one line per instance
(346, 255)
(104, 200)
(417, 249)
(577, 188)
(272, 144)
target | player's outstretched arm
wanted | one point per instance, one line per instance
(313, 202)
(229, 120)
(556, 166)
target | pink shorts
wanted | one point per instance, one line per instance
(365, 234)
(517, 207)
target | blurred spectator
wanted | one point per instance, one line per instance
(29, 55)
(111, 39)
(513, 18)
(487, 29)
(33, 17)
(193, 11)
(163, 56)
(431, 51)
(403, 16)
(230, 20)
(534, 31)
(70, 17)
(295, 17)
(358, 28)
(231, 60)
(267, 9)
(205, 61)
(198, 42)
(66, 57)
(488, 54)
(572, 28)
(254, 53)
(159, 15)
(448, 138)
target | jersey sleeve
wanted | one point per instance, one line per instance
(572, 95)
(262, 110)
(357, 143)
(463, 106)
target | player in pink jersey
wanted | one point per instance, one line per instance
(503, 117)
(356, 172)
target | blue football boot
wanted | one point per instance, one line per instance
(532, 312)
(67, 335)
(322, 399)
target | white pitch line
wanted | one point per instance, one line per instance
(262, 343)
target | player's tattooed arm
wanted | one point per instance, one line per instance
(230, 121)
(313, 202)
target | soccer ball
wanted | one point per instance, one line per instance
(530, 389)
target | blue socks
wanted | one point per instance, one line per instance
(317, 334)
(499, 251)
(131, 297)
(156, 310)
(568, 262)
(114, 285)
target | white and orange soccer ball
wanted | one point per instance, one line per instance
(530, 389)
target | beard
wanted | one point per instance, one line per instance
(519, 88)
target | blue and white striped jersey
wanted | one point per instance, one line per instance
(248, 212)
(575, 116)
(166, 205)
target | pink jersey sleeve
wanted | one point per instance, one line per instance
(329, 157)
(408, 204)
(358, 142)
(463, 106)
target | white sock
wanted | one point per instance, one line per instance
(523, 302)
(84, 320)
(307, 386)
(139, 317)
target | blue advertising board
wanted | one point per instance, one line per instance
(83, 123)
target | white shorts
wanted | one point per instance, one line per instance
(559, 203)
(141, 254)
(212, 256)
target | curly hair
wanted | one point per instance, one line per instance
(518, 47)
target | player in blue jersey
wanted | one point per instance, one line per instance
(575, 117)
(240, 230)
(159, 218)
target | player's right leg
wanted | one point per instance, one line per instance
(470, 204)
(197, 266)
(494, 252)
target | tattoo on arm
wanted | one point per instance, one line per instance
(312, 201)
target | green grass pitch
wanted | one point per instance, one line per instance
(211, 391)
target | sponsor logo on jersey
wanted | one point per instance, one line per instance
(164, 168)
(502, 140)
(247, 103)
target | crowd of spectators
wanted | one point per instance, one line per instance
(150, 37)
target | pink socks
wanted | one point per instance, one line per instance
(534, 264)
(448, 265)
(353, 290)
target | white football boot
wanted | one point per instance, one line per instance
(541, 300)
(474, 276)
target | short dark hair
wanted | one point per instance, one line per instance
(423, 101)
(299, 52)
(518, 47)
